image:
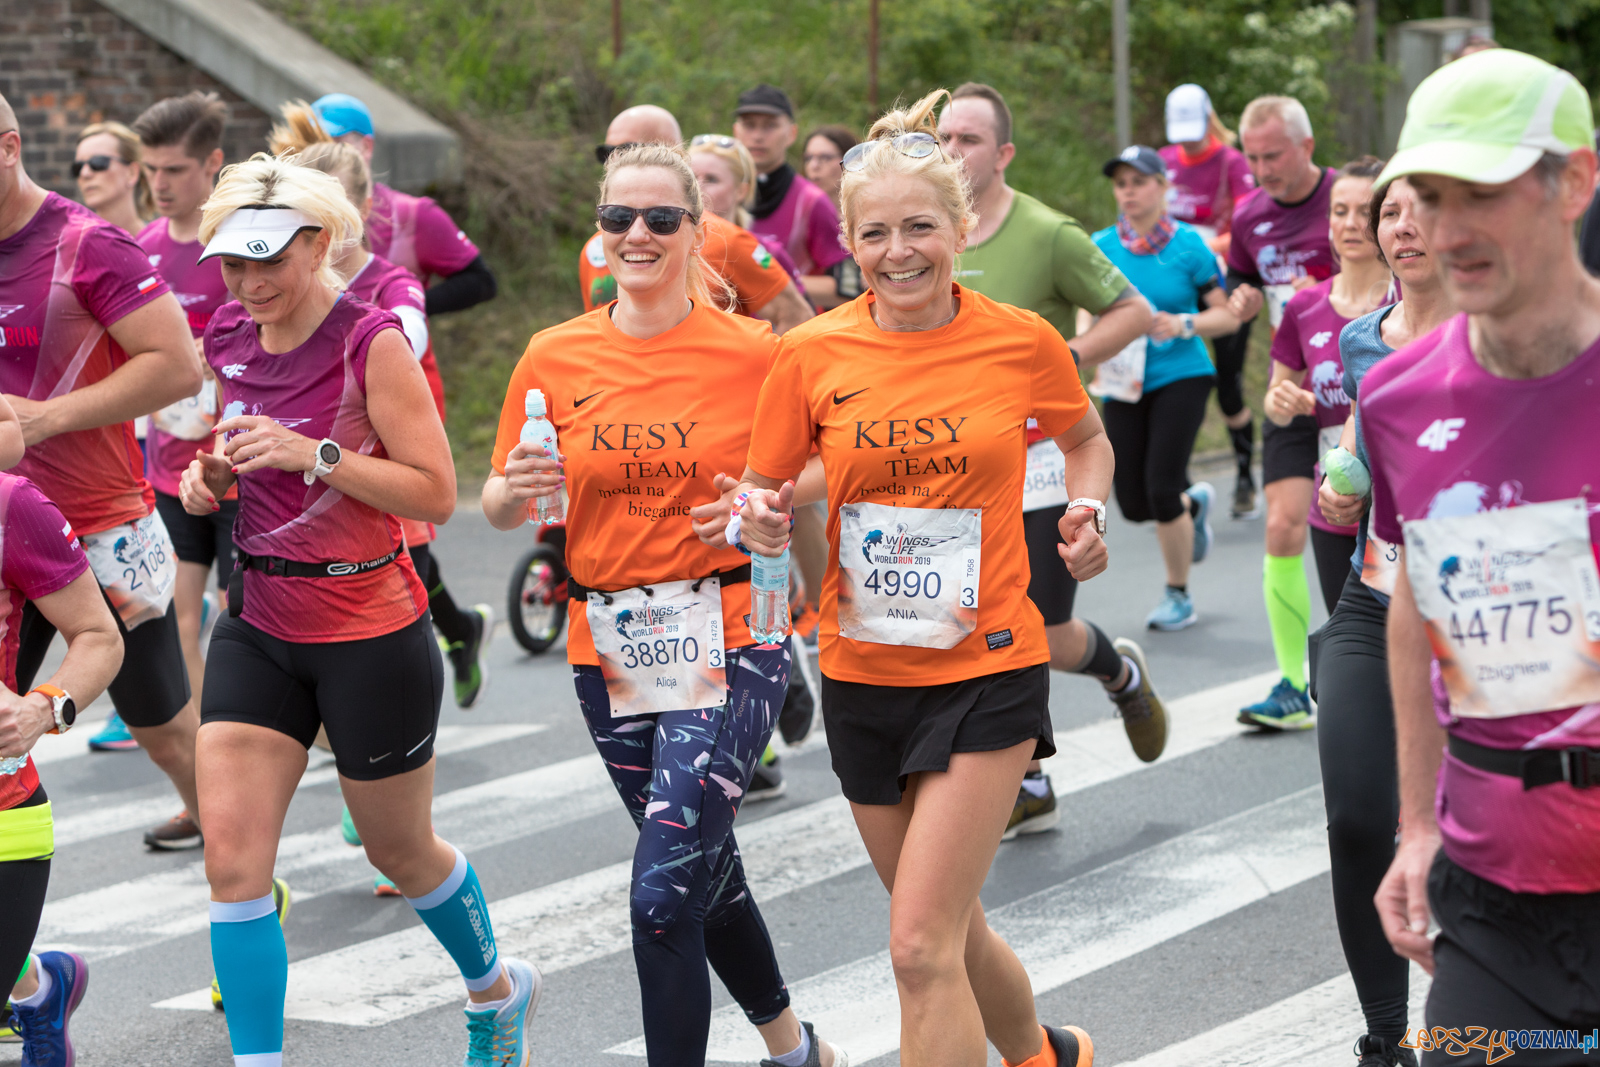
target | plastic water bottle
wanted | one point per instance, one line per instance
(1347, 474)
(10, 765)
(769, 598)
(537, 432)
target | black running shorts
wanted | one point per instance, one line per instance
(202, 539)
(1288, 451)
(881, 734)
(1051, 588)
(378, 697)
(152, 685)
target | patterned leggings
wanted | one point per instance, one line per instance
(681, 775)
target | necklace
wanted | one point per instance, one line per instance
(916, 329)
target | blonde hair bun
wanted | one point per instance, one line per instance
(945, 175)
(270, 181)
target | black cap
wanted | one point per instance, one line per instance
(1141, 158)
(766, 100)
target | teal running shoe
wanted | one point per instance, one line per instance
(1286, 708)
(1175, 612)
(347, 828)
(114, 736)
(383, 887)
(500, 1038)
(1202, 494)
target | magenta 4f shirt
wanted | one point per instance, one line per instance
(65, 277)
(1446, 439)
(1205, 188)
(416, 233)
(1281, 242)
(806, 224)
(38, 556)
(199, 288)
(1308, 338)
(318, 390)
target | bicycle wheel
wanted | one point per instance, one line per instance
(536, 599)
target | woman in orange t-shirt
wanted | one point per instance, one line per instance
(935, 685)
(652, 396)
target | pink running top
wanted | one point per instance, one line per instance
(416, 233)
(318, 390)
(1309, 338)
(1205, 187)
(65, 277)
(1445, 438)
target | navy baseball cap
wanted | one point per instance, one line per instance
(1141, 158)
(341, 113)
(765, 100)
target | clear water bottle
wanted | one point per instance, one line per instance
(10, 765)
(537, 432)
(769, 598)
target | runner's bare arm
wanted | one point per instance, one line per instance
(1402, 897)
(94, 655)
(1090, 465)
(1128, 317)
(416, 481)
(786, 310)
(823, 289)
(163, 367)
(1285, 398)
(11, 446)
(710, 521)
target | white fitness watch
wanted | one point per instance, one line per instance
(62, 706)
(328, 456)
(1187, 320)
(1096, 506)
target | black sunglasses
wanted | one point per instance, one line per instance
(94, 163)
(618, 218)
(602, 152)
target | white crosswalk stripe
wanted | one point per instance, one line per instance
(584, 918)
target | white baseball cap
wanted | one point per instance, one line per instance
(1188, 114)
(257, 232)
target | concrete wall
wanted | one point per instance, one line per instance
(67, 63)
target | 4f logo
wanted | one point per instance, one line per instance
(1321, 338)
(233, 370)
(1439, 434)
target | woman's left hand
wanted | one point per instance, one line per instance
(264, 443)
(710, 521)
(1167, 326)
(1085, 552)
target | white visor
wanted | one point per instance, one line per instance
(257, 232)
(1188, 114)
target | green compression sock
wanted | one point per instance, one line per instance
(1288, 598)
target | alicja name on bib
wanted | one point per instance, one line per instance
(909, 576)
(1512, 603)
(660, 646)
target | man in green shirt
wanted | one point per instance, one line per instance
(1031, 256)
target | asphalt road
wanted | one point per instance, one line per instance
(1181, 913)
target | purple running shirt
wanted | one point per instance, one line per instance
(1308, 337)
(806, 224)
(1205, 188)
(318, 390)
(1278, 243)
(416, 233)
(1446, 438)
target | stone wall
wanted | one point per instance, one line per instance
(67, 63)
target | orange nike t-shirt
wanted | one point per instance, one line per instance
(645, 426)
(930, 419)
(734, 252)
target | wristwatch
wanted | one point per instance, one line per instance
(62, 706)
(1187, 320)
(1096, 506)
(328, 456)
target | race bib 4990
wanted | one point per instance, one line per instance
(909, 576)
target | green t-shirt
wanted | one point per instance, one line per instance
(1043, 261)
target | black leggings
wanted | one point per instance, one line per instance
(1231, 351)
(22, 888)
(1332, 551)
(1355, 740)
(1152, 439)
(451, 620)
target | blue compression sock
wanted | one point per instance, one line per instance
(252, 965)
(458, 915)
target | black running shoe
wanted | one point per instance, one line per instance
(1380, 1052)
(1244, 505)
(767, 783)
(1031, 814)
(1073, 1047)
(177, 833)
(814, 1057)
(799, 709)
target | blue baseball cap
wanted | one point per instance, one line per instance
(342, 113)
(1140, 157)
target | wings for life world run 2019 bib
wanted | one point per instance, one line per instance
(1045, 484)
(909, 576)
(1512, 603)
(660, 647)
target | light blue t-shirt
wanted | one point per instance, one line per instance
(1172, 280)
(1361, 347)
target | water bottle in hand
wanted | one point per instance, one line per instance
(769, 597)
(10, 765)
(538, 433)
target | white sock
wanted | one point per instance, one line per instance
(496, 1005)
(40, 994)
(797, 1057)
(259, 1059)
(1037, 786)
(1133, 678)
